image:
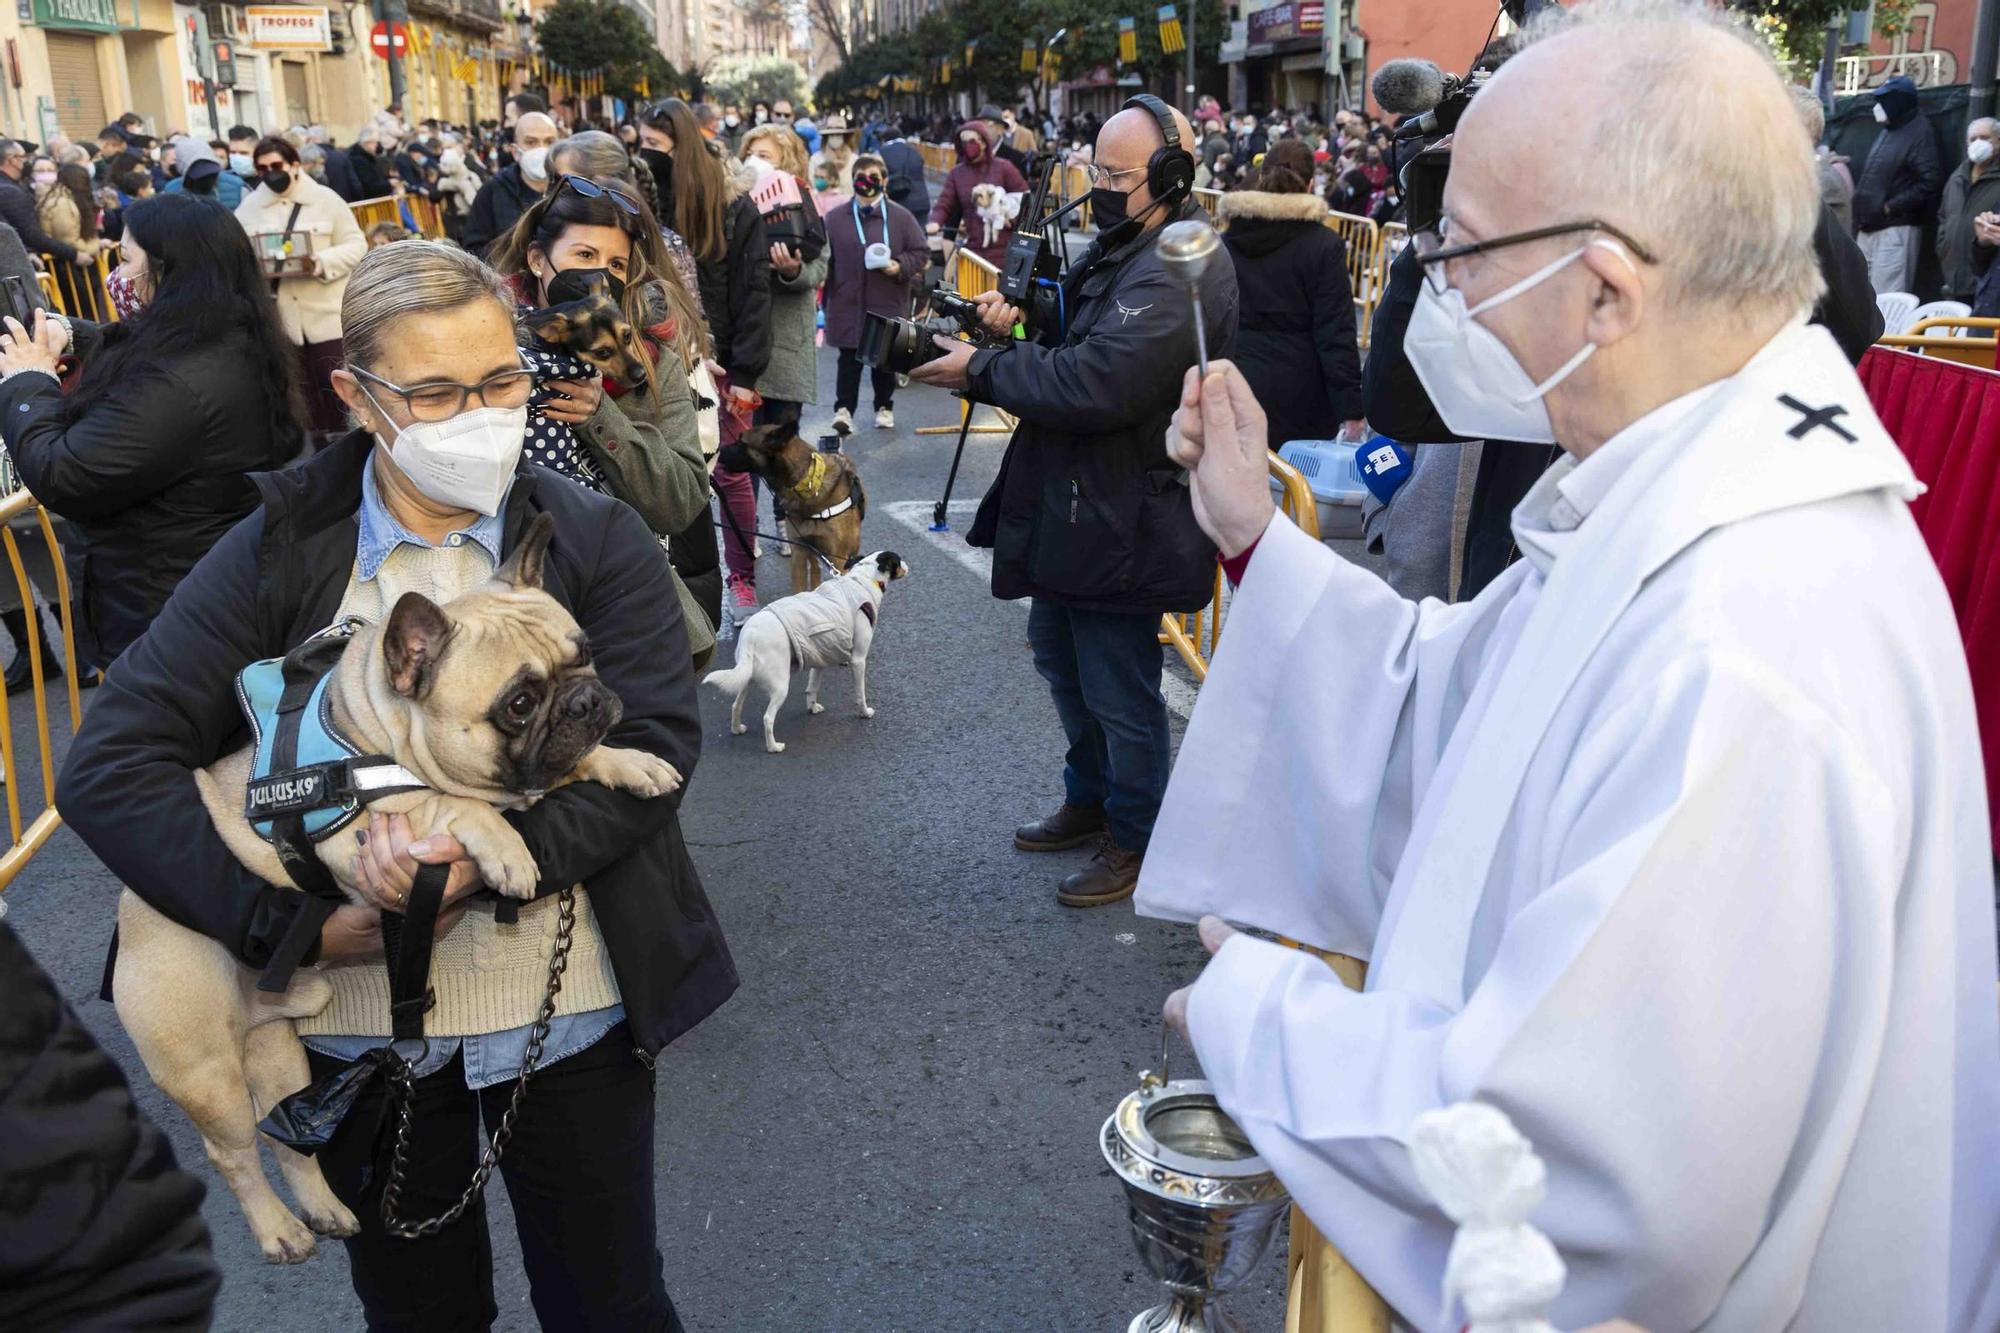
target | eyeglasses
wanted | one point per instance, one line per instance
(442, 400)
(1434, 250)
(590, 189)
(1102, 176)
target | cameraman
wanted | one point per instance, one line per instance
(1088, 516)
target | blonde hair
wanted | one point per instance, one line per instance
(791, 148)
(415, 277)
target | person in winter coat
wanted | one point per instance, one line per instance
(1897, 192)
(371, 170)
(708, 203)
(641, 446)
(791, 379)
(177, 403)
(1088, 516)
(876, 254)
(349, 533)
(286, 201)
(103, 1229)
(1295, 339)
(907, 183)
(514, 188)
(340, 177)
(229, 187)
(1972, 191)
(977, 165)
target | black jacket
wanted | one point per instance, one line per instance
(1296, 342)
(1901, 179)
(1963, 258)
(99, 1229)
(17, 210)
(150, 476)
(340, 177)
(736, 294)
(497, 207)
(370, 172)
(128, 787)
(907, 184)
(1088, 510)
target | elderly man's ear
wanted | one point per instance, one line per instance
(1618, 294)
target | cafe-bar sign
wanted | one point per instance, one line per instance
(1287, 22)
(288, 28)
(89, 15)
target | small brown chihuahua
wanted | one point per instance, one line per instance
(593, 329)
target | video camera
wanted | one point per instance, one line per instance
(901, 345)
(1432, 102)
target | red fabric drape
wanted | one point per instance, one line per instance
(1946, 419)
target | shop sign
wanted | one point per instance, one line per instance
(87, 15)
(288, 28)
(1287, 22)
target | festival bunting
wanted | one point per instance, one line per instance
(1172, 40)
(1028, 56)
(971, 50)
(1128, 41)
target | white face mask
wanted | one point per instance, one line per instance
(45, 178)
(466, 462)
(535, 163)
(1881, 116)
(1474, 381)
(1979, 150)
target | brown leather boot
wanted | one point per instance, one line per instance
(1110, 877)
(1071, 826)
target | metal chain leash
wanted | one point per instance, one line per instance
(403, 1091)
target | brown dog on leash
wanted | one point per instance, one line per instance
(822, 493)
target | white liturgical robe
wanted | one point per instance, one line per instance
(1672, 845)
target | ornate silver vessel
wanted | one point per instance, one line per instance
(1202, 1203)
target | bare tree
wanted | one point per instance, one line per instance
(826, 16)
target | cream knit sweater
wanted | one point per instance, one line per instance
(488, 977)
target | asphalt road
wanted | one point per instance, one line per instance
(893, 1125)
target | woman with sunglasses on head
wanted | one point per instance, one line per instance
(639, 442)
(709, 204)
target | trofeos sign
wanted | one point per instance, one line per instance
(288, 28)
(89, 15)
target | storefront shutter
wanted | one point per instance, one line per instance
(79, 95)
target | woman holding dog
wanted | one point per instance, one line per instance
(639, 442)
(432, 364)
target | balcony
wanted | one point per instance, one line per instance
(480, 15)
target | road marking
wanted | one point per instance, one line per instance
(915, 515)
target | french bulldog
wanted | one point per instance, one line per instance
(490, 699)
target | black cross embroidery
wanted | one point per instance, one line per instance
(1816, 417)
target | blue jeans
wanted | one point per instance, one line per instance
(1103, 669)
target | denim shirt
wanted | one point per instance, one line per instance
(492, 1057)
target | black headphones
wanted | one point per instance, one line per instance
(1170, 170)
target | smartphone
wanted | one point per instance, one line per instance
(15, 301)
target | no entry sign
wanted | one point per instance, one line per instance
(383, 33)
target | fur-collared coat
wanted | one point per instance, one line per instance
(1295, 337)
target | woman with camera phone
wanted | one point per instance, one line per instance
(876, 252)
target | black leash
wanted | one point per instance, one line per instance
(750, 550)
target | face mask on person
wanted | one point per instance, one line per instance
(1475, 383)
(124, 294)
(1109, 209)
(535, 164)
(972, 149)
(1881, 116)
(661, 164)
(732, 121)
(763, 117)
(45, 178)
(241, 164)
(572, 284)
(867, 186)
(277, 180)
(465, 462)
(1979, 151)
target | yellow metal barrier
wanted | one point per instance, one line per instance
(429, 216)
(1367, 269)
(1952, 338)
(78, 290)
(1194, 636)
(970, 276)
(1210, 200)
(369, 212)
(27, 840)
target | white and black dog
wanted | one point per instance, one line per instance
(832, 625)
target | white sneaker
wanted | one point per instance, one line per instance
(843, 421)
(885, 418)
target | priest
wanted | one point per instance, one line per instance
(1673, 843)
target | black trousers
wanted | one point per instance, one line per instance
(579, 1172)
(847, 382)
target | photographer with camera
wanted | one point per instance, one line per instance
(1088, 516)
